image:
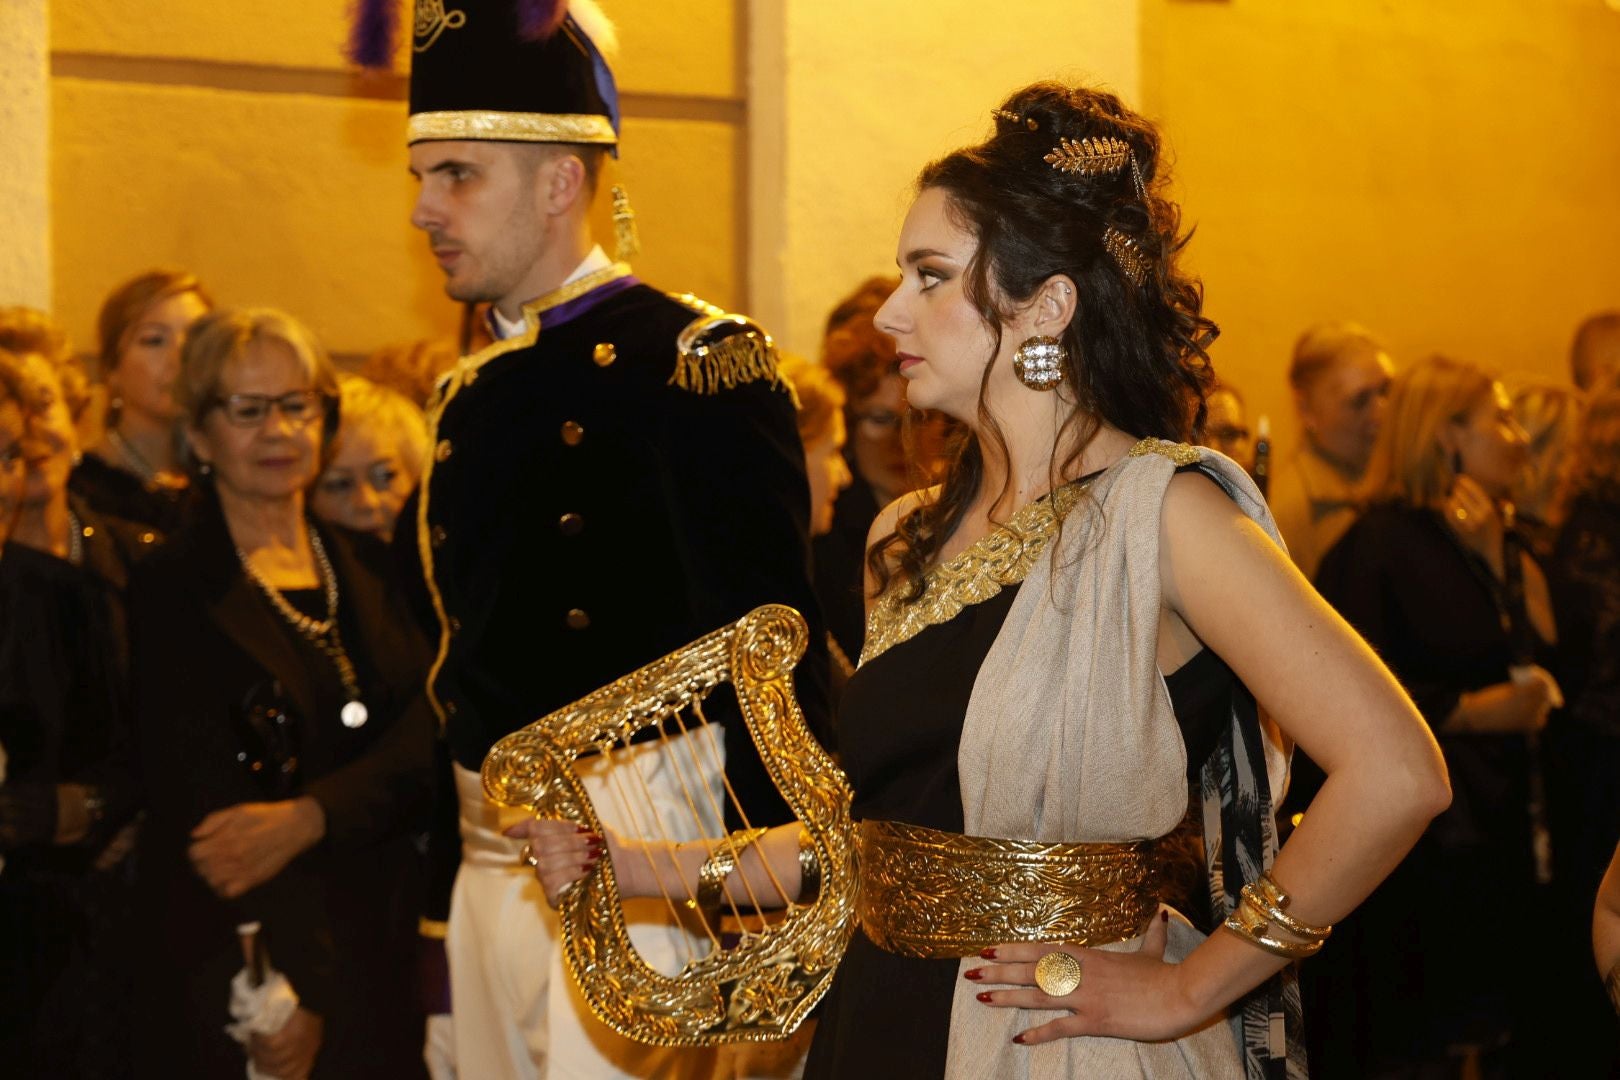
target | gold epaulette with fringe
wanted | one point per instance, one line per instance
(721, 351)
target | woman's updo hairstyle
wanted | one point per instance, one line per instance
(1135, 354)
(1136, 351)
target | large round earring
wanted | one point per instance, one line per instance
(1038, 363)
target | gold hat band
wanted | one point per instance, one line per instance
(937, 895)
(511, 127)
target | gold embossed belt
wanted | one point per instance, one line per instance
(933, 894)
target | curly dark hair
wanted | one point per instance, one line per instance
(1136, 354)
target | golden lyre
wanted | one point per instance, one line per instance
(764, 987)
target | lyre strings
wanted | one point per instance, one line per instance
(679, 795)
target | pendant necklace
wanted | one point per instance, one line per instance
(322, 633)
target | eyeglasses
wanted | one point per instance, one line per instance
(251, 410)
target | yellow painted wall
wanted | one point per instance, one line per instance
(230, 139)
(25, 258)
(850, 98)
(1446, 173)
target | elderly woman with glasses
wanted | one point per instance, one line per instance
(284, 741)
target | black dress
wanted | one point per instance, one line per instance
(888, 1015)
(64, 910)
(214, 663)
(116, 492)
(1412, 971)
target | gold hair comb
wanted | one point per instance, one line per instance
(1090, 156)
(1128, 254)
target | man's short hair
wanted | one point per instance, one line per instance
(1321, 347)
(1586, 356)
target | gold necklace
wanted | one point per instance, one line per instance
(322, 633)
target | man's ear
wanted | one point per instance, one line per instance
(564, 183)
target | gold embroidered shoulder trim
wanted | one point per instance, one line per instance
(1180, 453)
(1003, 557)
(721, 351)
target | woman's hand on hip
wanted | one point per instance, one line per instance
(1129, 995)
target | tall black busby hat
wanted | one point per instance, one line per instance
(508, 70)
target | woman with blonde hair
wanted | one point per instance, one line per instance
(283, 733)
(135, 472)
(1551, 418)
(374, 461)
(1430, 574)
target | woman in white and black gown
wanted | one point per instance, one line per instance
(1020, 760)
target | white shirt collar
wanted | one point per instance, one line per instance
(596, 260)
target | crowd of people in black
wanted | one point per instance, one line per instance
(197, 562)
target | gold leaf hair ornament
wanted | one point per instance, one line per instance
(1128, 254)
(1102, 155)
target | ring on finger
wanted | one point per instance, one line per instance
(528, 856)
(1057, 973)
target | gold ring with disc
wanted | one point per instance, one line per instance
(1057, 974)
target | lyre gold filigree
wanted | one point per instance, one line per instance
(1089, 156)
(763, 988)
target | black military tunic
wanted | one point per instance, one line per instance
(585, 513)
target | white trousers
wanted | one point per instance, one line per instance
(516, 1013)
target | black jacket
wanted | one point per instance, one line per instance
(585, 516)
(340, 919)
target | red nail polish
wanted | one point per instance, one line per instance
(973, 973)
(984, 997)
(1019, 1039)
(988, 954)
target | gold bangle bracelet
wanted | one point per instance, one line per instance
(809, 868)
(1251, 925)
(720, 863)
(1266, 897)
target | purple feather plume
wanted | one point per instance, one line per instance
(539, 19)
(371, 38)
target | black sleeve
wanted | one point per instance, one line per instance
(734, 480)
(444, 838)
(388, 787)
(384, 790)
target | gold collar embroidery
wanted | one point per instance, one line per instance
(1002, 557)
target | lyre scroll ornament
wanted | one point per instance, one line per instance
(763, 988)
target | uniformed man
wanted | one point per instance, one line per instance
(617, 475)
